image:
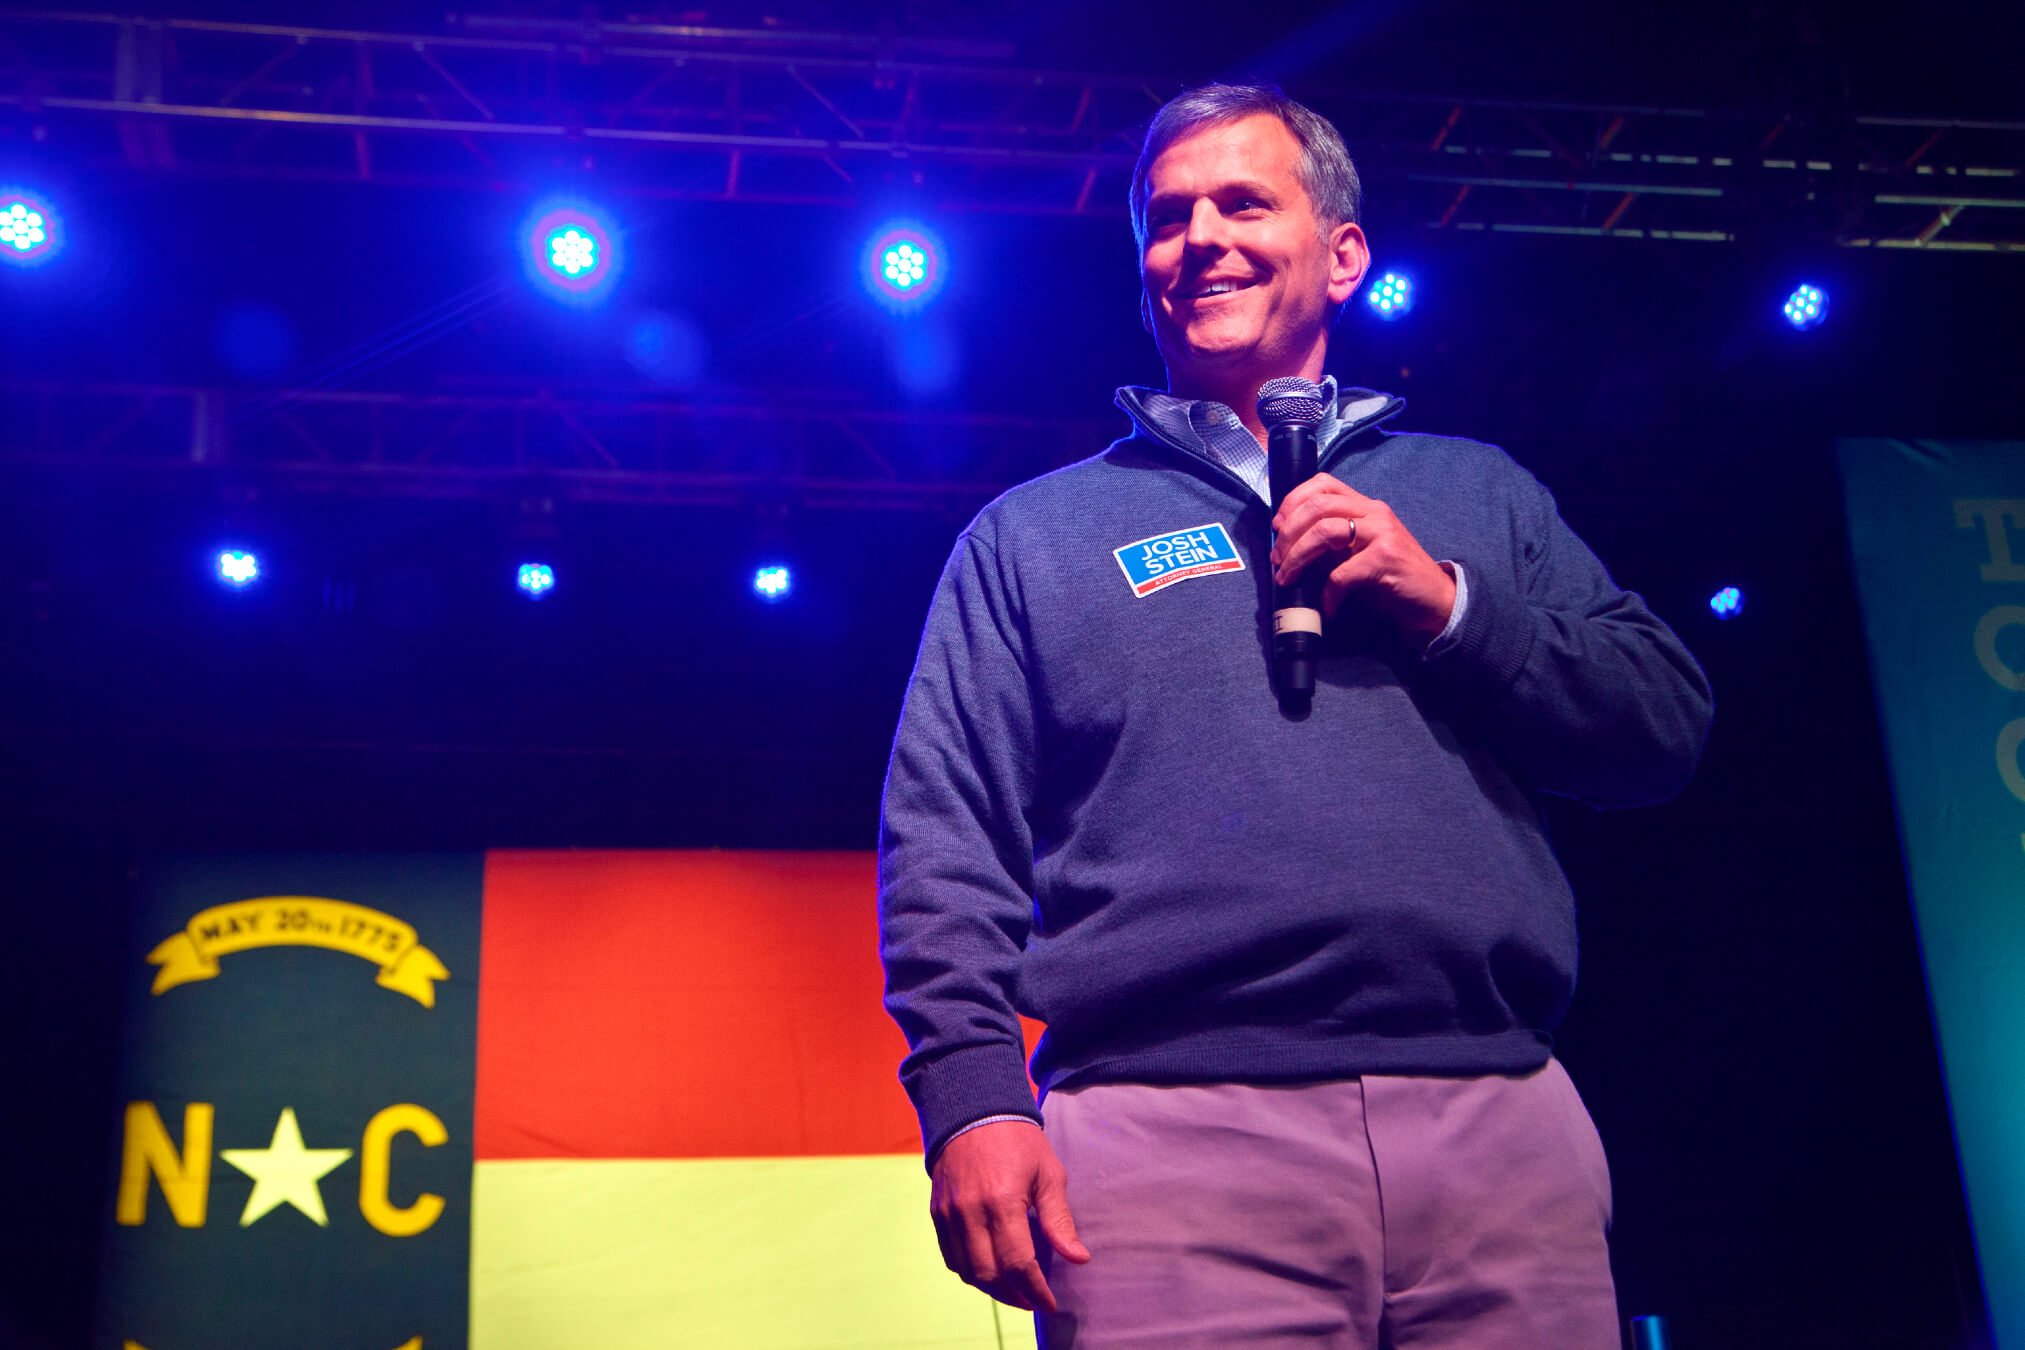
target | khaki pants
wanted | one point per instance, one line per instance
(1382, 1212)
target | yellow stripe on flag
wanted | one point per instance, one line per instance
(752, 1253)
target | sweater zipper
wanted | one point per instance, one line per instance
(1244, 489)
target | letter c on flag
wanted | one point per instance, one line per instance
(376, 1167)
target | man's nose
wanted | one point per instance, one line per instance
(1205, 226)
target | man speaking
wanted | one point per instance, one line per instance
(1298, 957)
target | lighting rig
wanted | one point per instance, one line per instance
(779, 115)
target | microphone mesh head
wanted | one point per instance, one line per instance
(1291, 400)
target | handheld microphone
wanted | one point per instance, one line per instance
(1291, 409)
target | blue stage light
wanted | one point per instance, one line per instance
(571, 250)
(1390, 296)
(31, 233)
(238, 568)
(1807, 306)
(535, 579)
(903, 265)
(772, 582)
(573, 253)
(1727, 603)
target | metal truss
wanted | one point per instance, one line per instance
(1711, 176)
(776, 115)
(650, 110)
(813, 453)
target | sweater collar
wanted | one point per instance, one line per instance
(1167, 420)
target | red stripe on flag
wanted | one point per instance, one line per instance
(671, 1005)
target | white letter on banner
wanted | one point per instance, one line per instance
(2008, 741)
(1993, 623)
(1993, 513)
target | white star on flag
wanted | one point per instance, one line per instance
(285, 1171)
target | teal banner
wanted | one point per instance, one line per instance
(1937, 539)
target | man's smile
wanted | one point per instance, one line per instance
(1215, 286)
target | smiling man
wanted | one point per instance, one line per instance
(1299, 971)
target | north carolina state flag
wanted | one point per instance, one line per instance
(556, 1100)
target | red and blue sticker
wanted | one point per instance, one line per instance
(1178, 555)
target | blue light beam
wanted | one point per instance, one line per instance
(238, 569)
(904, 265)
(571, 251)
(1390, 296)
(31, 232)
(535, 579)
(1806, 307)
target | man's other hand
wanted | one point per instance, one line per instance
(987, 1180)
(1368, 552)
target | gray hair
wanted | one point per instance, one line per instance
(1325, 171)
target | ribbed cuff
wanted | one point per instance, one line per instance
(1493, 635)
(962, 1130)
(965, 1086)
(1446, 637)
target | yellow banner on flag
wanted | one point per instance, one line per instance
(406, 966)
(808, 1253)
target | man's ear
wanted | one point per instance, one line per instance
(1349, 260)
(1145, 309)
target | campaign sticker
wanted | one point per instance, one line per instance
(1179, 555)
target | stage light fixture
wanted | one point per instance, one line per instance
(535, 579)
(31, 233)
(1807, 306)
(572, 250)
(238, 568)
(903, 265)
(772, 582)
(1727, 603)
(1390, 296)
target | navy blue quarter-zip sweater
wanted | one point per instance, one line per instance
(1097, 813)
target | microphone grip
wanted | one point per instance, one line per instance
(1297, 608)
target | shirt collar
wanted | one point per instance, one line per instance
(1184, 420)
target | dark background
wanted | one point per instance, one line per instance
(1752, 1033)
